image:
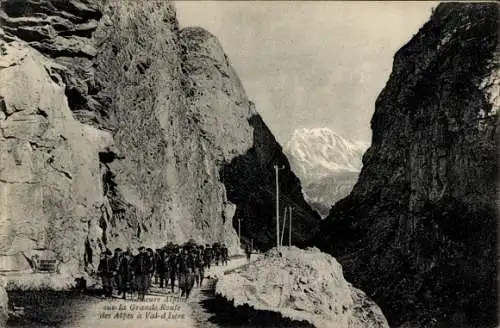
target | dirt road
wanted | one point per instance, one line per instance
(161, 308)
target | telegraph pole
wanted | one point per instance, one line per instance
(290, 228)
(283, 228)
(277, 168)
(239, 229)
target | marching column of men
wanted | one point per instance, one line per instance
(133, 273)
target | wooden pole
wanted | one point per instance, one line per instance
(239, 230)
(290, 228)
(283, 228)
(277, 209)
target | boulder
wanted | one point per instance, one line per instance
(303, 285)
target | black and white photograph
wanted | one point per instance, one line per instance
(249, 164)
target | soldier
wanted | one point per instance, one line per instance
(164, 278)
(248, 252)
(191, 272)
(196, 271)
(105, 270)
(186, 276)
(225, 254)
(126, 273)
(181, 268)
(173, 266)
(116, 265)
(207, 256)
(34, 262)
(142, 269)
(158, 265)
(199, 271)
(216, 253)
(201, 254)
(152, 265)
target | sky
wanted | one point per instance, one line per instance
(310, 64)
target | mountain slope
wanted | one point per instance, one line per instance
(327, 165)
(418, 231)
(126, 133)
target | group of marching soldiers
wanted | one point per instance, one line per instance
(133, 273)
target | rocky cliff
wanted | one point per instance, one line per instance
(418, 231)
(118, 129)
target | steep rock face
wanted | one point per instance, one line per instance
(49, 177)
(418, 231)
(56, 28)
(130, 122)
(165, 187)
(242, 146)
(202, 112)
(63, 31)
(215, 94)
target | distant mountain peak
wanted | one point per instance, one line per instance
(326, 163)
(324, 151)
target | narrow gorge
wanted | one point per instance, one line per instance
(119, 128)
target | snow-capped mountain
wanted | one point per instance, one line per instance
(327, 165)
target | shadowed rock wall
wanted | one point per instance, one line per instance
(418, 232)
